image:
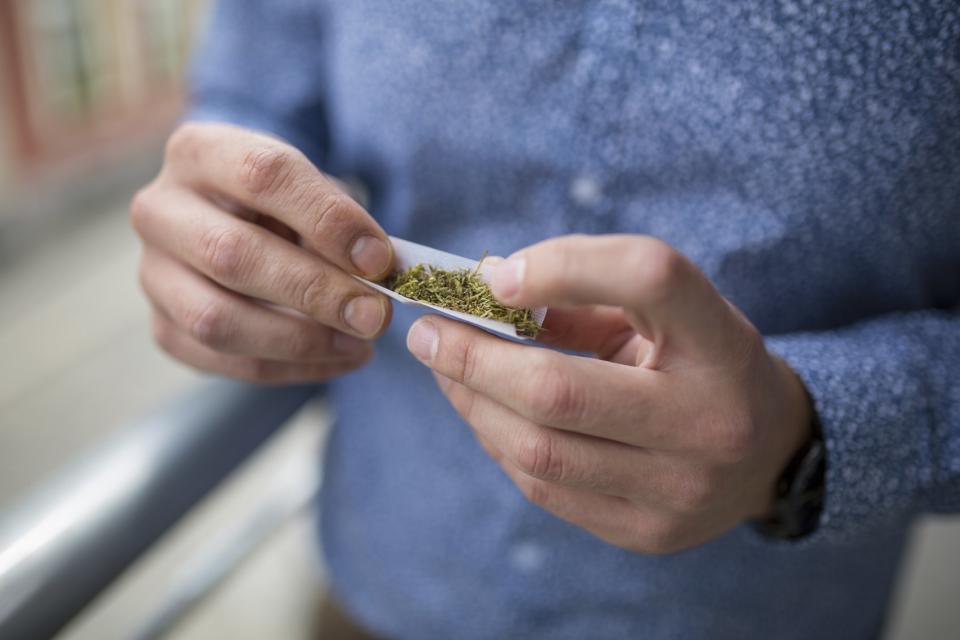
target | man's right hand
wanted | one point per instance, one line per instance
(248, 251)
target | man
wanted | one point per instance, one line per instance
(735, 170)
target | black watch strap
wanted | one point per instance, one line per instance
(800, 491)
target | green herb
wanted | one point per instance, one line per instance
(461, 290)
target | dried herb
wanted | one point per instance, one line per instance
(460, 290)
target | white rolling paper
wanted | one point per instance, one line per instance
(408, 254)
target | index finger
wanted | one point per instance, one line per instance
(273, 178)
(573, 393)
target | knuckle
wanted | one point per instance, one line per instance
(183, 141)
(554, 397)
(141, 207)
(693, 492)
(538, 456)
(329, 214)
(224, 251)
(266, 170)
(660, 266)
(464, 361)
(210, 325)
(313, 291)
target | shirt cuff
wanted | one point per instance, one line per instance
(869, 395)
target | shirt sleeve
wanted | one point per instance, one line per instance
(260, 65)
(888, 395)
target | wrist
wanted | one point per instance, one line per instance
(798, 491)
(798, 413)
(792, 427)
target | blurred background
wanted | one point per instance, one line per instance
(89, 89)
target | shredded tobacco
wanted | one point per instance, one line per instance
(461, 290)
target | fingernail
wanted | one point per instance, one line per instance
(347, 345)
(507, 277)
(422, 340)
(370, 255)
(364, 314)
(488, 267)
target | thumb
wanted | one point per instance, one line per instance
(666, 297)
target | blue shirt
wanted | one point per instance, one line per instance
(805, 154)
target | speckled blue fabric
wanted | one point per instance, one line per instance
(805, 153)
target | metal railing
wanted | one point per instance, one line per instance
(65, 543)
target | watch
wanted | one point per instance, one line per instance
(800, 491)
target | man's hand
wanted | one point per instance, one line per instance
(674, 434)
(248, 251)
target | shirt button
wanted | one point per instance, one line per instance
(585, 191)
(527, 556)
